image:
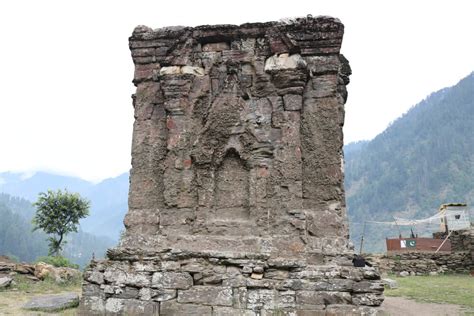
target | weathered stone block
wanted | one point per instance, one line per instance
(145, 267)
(230, 311)
(172, 280)
(94, 277)
(240, 297)
(369, 299)
(91, 305)
(117, 276)
(286, 300)
(261, 299)
(131, 307)
(235, 281)
(159, 295)
(352, 273)
(206, 295)
(114, 305)
(284, 61)
(312, 312)
(145, 72)
(215, 47)
(368, 287)
(370, 273)
(92, 290)
(172, 308)
(127, 293)
(171, 266)
(276, 274)
(324, 64)
(306, 299)
(162, 295)
(292, 102)
(113, 275)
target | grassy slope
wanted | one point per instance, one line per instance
(452, 289)
(15, 297)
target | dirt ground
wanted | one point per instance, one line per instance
(12, 301)
(407, 307)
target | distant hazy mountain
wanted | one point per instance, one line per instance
(424, 159)
(108, 198)
(21, 185)
(354, 147)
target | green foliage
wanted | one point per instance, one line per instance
(48, 285)
(16, 237)
(58, 214)
(420, 161)
(18, 241)
(57, 261)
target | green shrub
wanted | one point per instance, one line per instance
(58, 261)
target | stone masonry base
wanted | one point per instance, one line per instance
(206, 283)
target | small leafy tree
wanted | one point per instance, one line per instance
(58, 213)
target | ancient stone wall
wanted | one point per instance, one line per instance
(460, 260)
(236, 198)
(423, 263)
(463, 240)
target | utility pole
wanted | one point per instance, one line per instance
(362, 238)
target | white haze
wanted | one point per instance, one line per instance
(66, 71)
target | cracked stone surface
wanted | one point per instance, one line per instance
(52, 303)
(236, 202)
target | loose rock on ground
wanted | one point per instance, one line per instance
(52, 303)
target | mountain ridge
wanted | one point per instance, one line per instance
(423, 159)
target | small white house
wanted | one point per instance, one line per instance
(456, 216)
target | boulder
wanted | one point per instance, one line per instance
(6, 267)
(404, 274)
(24, 268)
(5, 282)
(391, 284)
(52, 303)
(59, 274)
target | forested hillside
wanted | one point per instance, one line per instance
(18, 240)
(423, 159)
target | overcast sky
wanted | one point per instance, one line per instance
(66, 71)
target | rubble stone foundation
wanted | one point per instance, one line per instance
(236, 203)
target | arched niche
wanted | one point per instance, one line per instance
(232, 187)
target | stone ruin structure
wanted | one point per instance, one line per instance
(236, 203)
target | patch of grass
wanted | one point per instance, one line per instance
(11, 303)
(47, 286)
(57, 261)
(452, 289)
(14, 297)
